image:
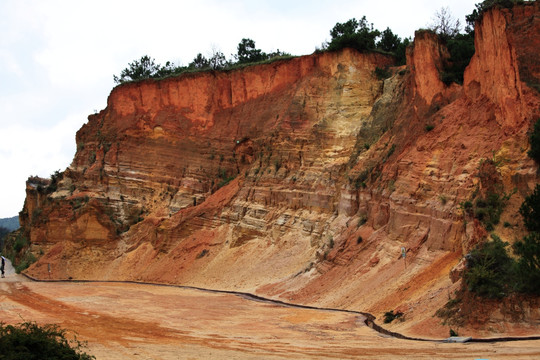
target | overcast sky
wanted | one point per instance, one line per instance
(57, 58)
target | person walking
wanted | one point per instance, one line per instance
(2, 266)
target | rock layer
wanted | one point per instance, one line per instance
(301, 179)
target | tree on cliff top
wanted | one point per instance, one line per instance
(145, 68)
(356, 34)
(444, 23)
(247, 52)
(389, 41)
(484, 6)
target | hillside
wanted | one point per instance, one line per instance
(303, 179)
(11, 223)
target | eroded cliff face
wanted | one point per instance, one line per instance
(301, 179)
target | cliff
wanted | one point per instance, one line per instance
(301, 179)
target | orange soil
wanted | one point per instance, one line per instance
(129, 321)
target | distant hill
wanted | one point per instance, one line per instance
(10, 223)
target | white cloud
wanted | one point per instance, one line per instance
(32, 151)
(57, 57)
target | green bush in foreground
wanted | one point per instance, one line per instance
(29, 341)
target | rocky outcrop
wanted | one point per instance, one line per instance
(301, 179)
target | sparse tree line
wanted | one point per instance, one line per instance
(356, 34)
(146, 67)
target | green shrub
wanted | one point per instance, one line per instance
(534, 140)
(530, 210)
(453, 332)
(450, 309)
(528, 264)
(490, 270)
(429, 127)
(32, 341)
(528, 249)
(20, 243)
(389, 316)
(203, 253)
(28, 260)
(382, 73)
(489, 210)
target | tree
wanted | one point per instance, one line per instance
(389, 41)
(217, 61)
(401, 51)
(489, 269)
(344, 29)
(444, 23)
(528, 249)
(359, 35)
(482, 7)
(199, 62)
(534, 140)
(528, 264)
(139, 69)
(530, 210)
(248, 53)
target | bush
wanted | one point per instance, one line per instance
(382, 73)
(489, 210)
(534, 139)
(530, 210)
(389, 316)
(31, 341)
(490, 269)
(528, 249)
(20, 243)
(28, 260)
(528, 265)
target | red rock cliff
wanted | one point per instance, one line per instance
(301, 179)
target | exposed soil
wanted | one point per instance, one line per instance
(133, 321)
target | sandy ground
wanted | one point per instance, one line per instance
(131, 321)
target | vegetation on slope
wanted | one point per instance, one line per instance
(492, 271)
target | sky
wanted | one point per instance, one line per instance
(58, 58)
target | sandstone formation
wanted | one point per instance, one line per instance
(301, 179)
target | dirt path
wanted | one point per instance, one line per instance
(11, 275)
(130, 321)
